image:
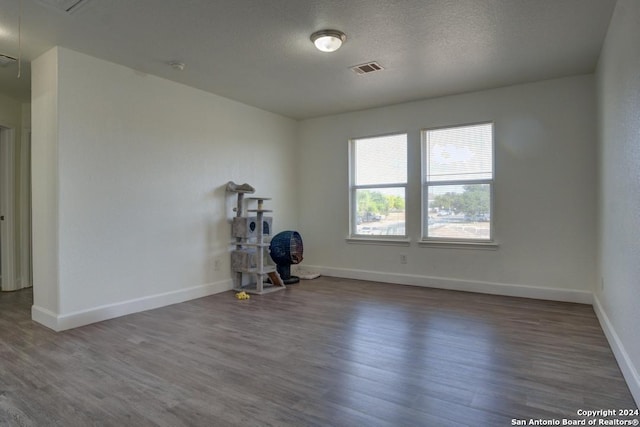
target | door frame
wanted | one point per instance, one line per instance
(23, 200)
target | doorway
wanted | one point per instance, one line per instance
(7, 210)
(15, 209)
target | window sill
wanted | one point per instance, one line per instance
(458, 245)
(397, 241)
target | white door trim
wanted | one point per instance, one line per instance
(24, 279)
(7, 209)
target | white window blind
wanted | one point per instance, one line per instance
(460, 153)
(381, 160)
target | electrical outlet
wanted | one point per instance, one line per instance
(217, 264)
(403, 258)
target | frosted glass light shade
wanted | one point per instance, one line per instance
(328, 40)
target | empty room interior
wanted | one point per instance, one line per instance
(316, 212)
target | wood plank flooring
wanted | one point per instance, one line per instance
(324, 352)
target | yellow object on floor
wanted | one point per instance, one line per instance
(243, 295)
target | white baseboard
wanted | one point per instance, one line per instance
(565, 295)
(44, 317)
(629, 370)
(110, 311)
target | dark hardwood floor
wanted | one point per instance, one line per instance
(324, 352)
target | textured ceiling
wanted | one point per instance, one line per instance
(258, 51)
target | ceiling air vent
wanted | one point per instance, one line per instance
(369, 67)
(67, 6)
(6, 60)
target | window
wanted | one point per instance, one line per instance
(378, 185)
(457, 191)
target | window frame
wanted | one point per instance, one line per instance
(425, 239)
(353, 188)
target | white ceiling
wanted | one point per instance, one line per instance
(258, 51)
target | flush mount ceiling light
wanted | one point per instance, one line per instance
(328, 40)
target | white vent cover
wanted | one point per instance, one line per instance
(67, 6)
(6, 60)
(369, 67)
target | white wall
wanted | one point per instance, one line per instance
(141, 168)
(617, 303)
(545, 186)
(44, 192)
